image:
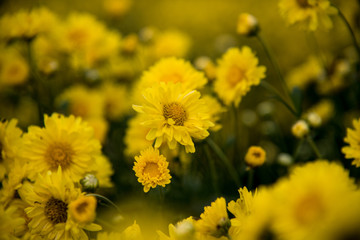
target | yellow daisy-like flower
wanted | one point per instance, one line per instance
(255, 156)
(151, 168)
(214, 221)
(242, 208)
(247, 25)
(300, 129)
(64, 141)
(174, 70)
(49, 199)
(10, 143)
(9, 222)
(353, 138)
(174, 116)
(309, 199)
(14, 69)
(308, 14)
(238, 70)
(83, 209)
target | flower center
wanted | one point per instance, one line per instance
(304, 3)
(309, 209)
(172, 78)
(235, 75)
(176, 112)
(56, 210)
(59, 154)
(152, 169)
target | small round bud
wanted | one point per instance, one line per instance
(89, 183)
(300, 129)
(255, 156)
(247, 25)
(314, 119)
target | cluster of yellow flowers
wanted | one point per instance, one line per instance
(89, 114)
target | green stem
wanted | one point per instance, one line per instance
(297, 150)
(214, 176)
(342, 16)
(105, 199)
(161, 195)
(250, 181)
(278, 96)
(225, 160)
(314, 147)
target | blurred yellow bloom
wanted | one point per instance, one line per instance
(255, 156)
(64, 141)
(9, 222)
(116, 100)
(309, 199)
(207, 65)
(242, 208)
(353, 139)
(174, 115)
(215, 110)
(130, 44)
(237, 72)
(81, 102)
(27, 23)
(117, 8)
(308, 14)
(10, 143)
(14, 69)
(100, 127)
(151, 168)
(183, 230)
(170, 43)
(102, 169)
(174, 70)
(132, 232)
(49, 199)
(46, 54)
(247, 24)
(83, 209)
(320, 113)
(300, 129)
(214, 221)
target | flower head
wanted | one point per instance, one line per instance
(255, 156)
(151, 168)
(237, 72)
(174, 115)
(308, 14)
(247, 24)
(214, 221)
(300, 129)
(83, 209)
(353, 139)
(64, 141)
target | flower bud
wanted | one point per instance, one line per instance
(300, 129)
(89, 183)
(247, 25)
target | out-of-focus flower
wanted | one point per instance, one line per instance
(215, 110)
(174, 70)
(242, 208)
(247, 25)
(237, 72)
(207, 65)
(116, 100)
(117, 8)
(353, 139)
(300, 129)
(130, 44)
(308, 200)
(14, 69)
(10, 143)
(83, 209)
(214, 221)
(9, 222)
(27, 23)
(174, 116)
(64, 141)
(255, 156)
(151, 168)
(132, 232)
(308, 14)
(49, 199)
(100, 127)
(320, 113)
(81, 102)
(305, 74)
(103, 171)
(183, 230)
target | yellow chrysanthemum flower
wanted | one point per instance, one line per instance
(117, 8)
(9, 222)
(214, 221)
(81, 102)
(102, 169)
(320, 113)
(100, 127)
(14, 69)
(64, 141)
(247, 25)
(132, 232)
(242, 208)
(255, 156)
(10, 143)
(309, 199)
(183, 230)
(27, 24)
(238, 70)
(353, 138)
(300, 129)
(174, 70)
(116, 100)
(49, 199)
(308, 14)
(83, 209)
(151, 168)
(174, 116)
